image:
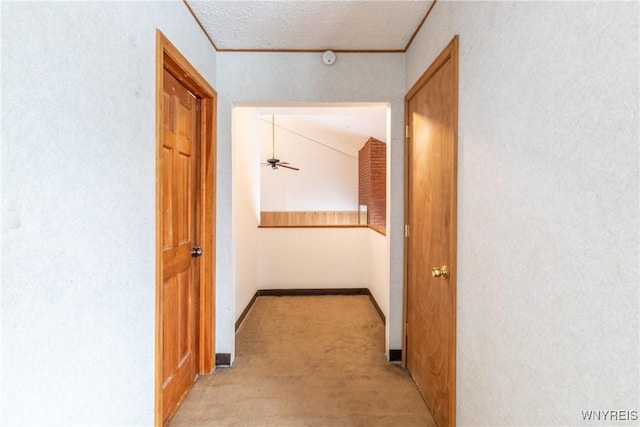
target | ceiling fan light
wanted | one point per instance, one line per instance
(273, 161)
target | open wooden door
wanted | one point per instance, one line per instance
(430, 244)
(185, 227)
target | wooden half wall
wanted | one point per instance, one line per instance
(279, 218)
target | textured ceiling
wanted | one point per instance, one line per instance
(310, 25)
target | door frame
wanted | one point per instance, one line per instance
(168, 57)
(450, 52)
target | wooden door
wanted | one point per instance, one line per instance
(430, 306)
(180, 275)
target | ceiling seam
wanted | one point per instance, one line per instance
(200, 25)
(309, 50)
(415, 33)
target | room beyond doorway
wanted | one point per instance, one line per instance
(291, 258)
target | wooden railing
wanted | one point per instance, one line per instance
(294, 218)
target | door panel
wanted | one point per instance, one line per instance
(431, 216)
(179, 291)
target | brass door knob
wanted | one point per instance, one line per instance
(440, 272)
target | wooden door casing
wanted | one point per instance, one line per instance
(431, 193)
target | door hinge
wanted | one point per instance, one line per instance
(406, 131)
(406, 230)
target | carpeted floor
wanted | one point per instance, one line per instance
(307, 361)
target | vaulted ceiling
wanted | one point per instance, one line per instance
(343, 129)
(311, 25)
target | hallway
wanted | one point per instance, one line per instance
(307, 361)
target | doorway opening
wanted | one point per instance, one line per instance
(322, 140)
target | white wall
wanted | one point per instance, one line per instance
(246, 205)
(301, 77)
(548, 207)
(378, 272)
(327, 179)
(310, 258)
(78, 207)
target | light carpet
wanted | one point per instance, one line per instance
(307, 361)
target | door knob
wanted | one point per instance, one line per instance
(440, 272)
(196, 251)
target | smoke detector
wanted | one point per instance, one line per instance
(328, 57)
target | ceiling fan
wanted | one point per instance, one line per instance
(273, 162)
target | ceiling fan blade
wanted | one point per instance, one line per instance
(288, 167)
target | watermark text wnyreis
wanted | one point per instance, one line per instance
(610, 415)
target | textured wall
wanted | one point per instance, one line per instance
(287, 78)
(548, 207)
(78, 207)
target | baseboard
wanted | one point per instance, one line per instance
(395, 355)
(377, 307)
(223, 359)
(312, 292)
(246, 311)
